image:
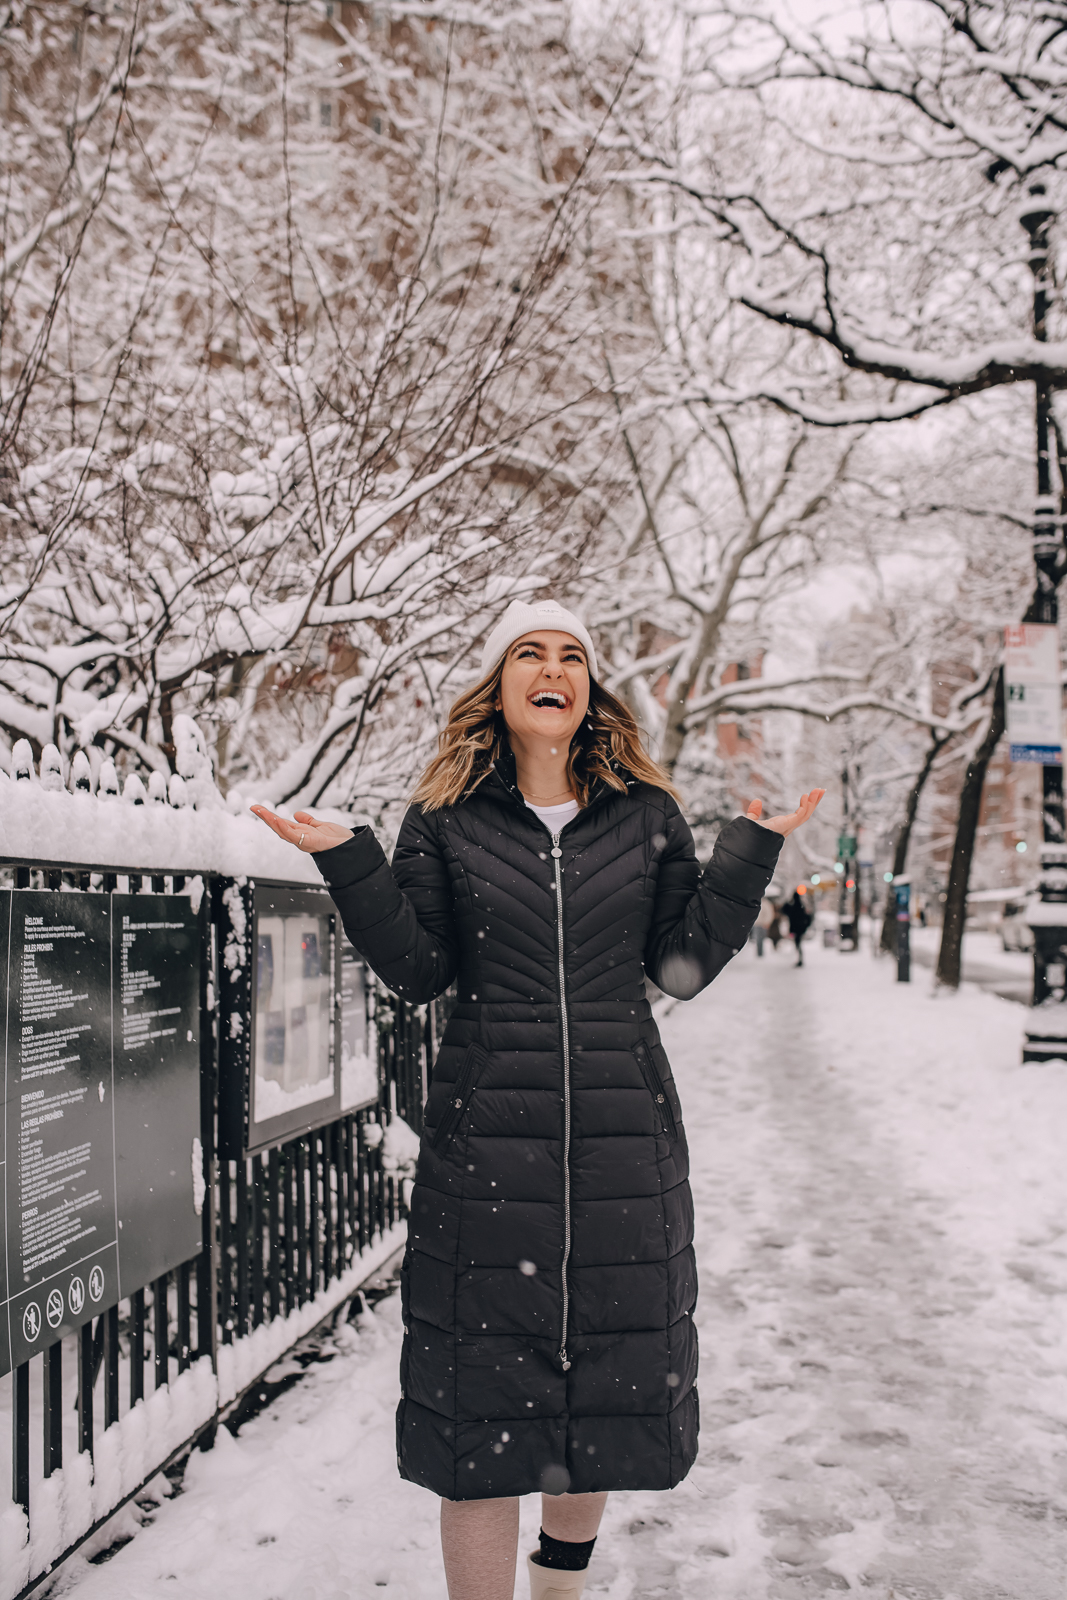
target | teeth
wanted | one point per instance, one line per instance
(548, 698)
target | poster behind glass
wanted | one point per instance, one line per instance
(293, 1062)
(359, 1055)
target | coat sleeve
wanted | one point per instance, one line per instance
(399, 918)
(701, 919)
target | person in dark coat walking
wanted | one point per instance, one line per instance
(800, 920)
(549, 1280)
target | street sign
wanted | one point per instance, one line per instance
(1033, 694)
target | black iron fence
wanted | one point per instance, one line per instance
(287, 1234)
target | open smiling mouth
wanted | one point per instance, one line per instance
(550, 700)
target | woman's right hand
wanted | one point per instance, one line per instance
(787, 824)
(307, 834)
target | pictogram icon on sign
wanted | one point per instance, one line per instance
(96, 1283)
(31, 1322)
(53, 1308)
(76, 1295)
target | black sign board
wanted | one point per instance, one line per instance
(101, 1105)
(156, 945)
(293, 1041)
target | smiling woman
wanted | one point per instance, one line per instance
(549, 1282)
(538, 699)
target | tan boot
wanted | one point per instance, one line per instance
(549, 1583)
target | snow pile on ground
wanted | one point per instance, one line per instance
(882, 1233)
(82, 1492)
(243, 1361)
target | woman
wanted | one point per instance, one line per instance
(766, 922)
(800, 920)
(549, 1279)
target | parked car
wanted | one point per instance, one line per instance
(1015, 932)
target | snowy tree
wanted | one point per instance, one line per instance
(868, 180)
(288, 310)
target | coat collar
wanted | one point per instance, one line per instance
(501, 782)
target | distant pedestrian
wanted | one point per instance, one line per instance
(800, 920)
(766, 925)
(548, 1286)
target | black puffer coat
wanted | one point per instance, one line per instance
(549, 1281)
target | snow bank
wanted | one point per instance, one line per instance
(38, 824)
(66, 1505)
(242, 1362)
(14, 1551)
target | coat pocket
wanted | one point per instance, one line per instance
(459, 1096)
(656, 1087)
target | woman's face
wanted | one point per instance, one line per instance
(544, 688)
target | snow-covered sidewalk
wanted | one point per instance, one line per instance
(984, 961)
(882, 1232)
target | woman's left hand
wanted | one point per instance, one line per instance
(785, 825)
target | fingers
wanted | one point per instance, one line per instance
(805, 806)
(805, 809)
(291, 832)
(808, 802)
(796, 819)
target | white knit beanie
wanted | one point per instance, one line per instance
(520, 619)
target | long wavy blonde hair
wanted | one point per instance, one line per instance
(476, 735)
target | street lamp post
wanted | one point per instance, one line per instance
(1046, 1034)
(848, 894)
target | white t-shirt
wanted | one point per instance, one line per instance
(555, 818)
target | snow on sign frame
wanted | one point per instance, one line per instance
(1033, 693)
(295, 1049)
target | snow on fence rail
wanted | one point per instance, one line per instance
(288, 1233)
(185, 826)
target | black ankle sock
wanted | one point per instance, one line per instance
(564, 1554)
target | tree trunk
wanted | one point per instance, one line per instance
(948, 960)
(900, 854)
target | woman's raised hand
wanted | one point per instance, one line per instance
(796, 819)
(307, 834)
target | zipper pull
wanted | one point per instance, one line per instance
(564, 1363)
(556, 851)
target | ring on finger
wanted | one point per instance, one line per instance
(300, 842)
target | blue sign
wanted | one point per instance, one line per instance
(1047, 755)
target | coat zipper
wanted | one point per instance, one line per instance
(557, 855)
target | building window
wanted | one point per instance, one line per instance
(326, 113)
